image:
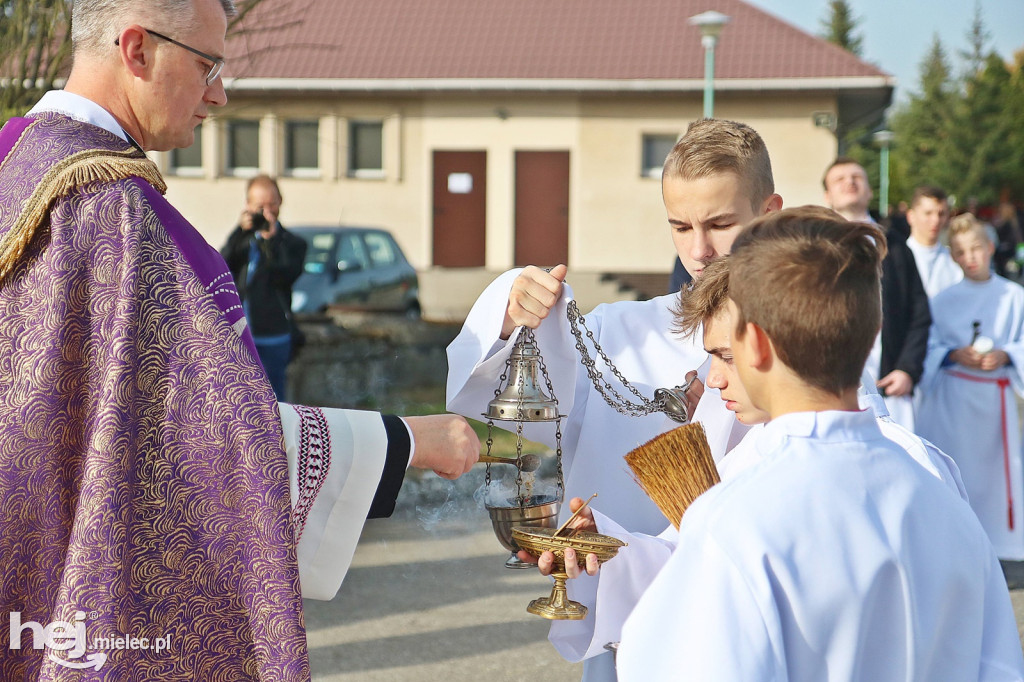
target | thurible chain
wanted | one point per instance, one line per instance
(611, 396)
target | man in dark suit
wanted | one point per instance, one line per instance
(898, 357)
(265, 260)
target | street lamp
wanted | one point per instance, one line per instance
(710, 24)
(883, 138)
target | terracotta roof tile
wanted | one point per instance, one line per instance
(530, 39)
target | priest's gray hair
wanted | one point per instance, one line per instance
(96, 24)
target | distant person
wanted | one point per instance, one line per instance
(1008, 230)
(898, 220)
(265, 260)
(836, 556)
(975, 363)
(928, 217)
(897, 358)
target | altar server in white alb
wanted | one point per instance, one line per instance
(973, 369)
(716, 179)
(927, 217)
(835, 556)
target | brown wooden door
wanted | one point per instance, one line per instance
(460, 209)
(542, 208)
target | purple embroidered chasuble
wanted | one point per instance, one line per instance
(143, 481)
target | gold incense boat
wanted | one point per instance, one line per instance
(558, 606)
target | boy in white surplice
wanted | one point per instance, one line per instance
(973, 368)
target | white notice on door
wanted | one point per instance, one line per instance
(460, 183)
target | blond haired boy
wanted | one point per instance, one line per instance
(717, 178)
(973, 368)
(835, 556)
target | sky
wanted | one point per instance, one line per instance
(897, 33)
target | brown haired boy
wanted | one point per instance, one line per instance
(704, 310)
(835, 557)
(927, 217)
(974, 365)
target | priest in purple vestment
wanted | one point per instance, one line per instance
(152, 491)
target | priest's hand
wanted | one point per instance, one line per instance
(534, 293)
(445, 443)
(546, 561)
(896, 383)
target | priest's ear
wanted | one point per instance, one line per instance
(135, 48)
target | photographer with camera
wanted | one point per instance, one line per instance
(265, 260)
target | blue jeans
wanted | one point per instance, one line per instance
(275, 357)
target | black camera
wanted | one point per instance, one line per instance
(259, 221)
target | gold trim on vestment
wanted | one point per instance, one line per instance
(91, 165)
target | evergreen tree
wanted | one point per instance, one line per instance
(923, 126)
(983, 160)
(977, 41)
(1013, 114)
(964, 134)
(839, 26)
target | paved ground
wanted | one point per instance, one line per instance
(432, 601)
(427, 598)
(1014, 571)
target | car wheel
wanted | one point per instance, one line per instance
(413, 311)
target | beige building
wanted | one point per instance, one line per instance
(488, 134)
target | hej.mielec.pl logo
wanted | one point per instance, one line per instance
(71, 637)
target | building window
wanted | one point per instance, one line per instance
(188, 161)
(655, 149)
(243, 147)
(301, 148)
(366, 149)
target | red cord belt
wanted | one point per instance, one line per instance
(1003, 383)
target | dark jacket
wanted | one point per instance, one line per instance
(269, 294)
(905, 314)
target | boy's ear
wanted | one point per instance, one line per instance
(758, 347)
(772, 204)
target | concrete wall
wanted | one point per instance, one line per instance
(617, 221)
(370, 361)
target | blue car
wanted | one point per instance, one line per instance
(354, 268)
